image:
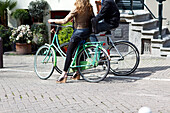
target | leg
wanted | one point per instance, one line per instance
(93, 38)
(77, 36)
(102, 26)
(70, 50)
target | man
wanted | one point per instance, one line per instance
(107, 19)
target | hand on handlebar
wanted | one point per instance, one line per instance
(52, 30)
(51, 21)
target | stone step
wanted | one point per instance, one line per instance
(152, 24)
(145, 25)
(140, 17)
(161, 47)
(166, 39)
(165, 51)
(153, 33)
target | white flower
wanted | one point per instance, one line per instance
(27, 26)
(17, 38)
(28, 41)
(22, 31)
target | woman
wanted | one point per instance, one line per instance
(82, 13)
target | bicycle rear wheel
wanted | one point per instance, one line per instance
(127, 63)
(89, 72)
(43, 62)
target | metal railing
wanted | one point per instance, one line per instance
(159, 11)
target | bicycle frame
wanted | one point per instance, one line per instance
(109, 40)
(59, 50)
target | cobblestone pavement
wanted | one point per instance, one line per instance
(21, 91)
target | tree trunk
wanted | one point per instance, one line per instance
(3, 17)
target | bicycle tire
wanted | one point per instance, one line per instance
(93, 73)
(44, 69)
(130, 61)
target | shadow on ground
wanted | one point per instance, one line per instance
(140, 73)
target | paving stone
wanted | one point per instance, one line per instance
(22, 91)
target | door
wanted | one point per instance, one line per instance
(125, 4)
(57, 15)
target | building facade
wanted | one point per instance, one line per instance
(56, 8)
(66, 5)
(135, 28)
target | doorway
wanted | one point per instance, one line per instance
(125, 4)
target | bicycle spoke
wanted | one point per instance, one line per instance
(128, 62)
(99, 68)
(43, 63)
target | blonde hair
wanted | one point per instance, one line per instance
(83, 5)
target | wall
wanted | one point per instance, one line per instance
(153, 6)
(55, 5)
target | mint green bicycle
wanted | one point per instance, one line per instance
(90, 59)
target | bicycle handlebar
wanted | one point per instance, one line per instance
(58, 25)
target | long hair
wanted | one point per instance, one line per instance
(83, 5)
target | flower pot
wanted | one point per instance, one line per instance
(23, 48)
(98, 5)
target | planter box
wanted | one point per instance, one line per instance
(23, 48)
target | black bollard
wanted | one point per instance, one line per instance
(160, 17)
(1, 53)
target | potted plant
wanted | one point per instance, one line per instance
(5, 33)
(40, 35)
(22, 36)
(5, 5)
(38, 9)
(20, 14)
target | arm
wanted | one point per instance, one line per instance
(103, 11)
(72, 14)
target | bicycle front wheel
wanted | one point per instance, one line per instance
(90, 71)
(124, 58)
(43, 62)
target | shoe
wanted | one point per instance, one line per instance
(76, 76)
(62, 78)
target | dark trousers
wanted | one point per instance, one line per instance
(76, 38)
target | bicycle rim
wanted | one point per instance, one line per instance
(129, 61)
(93, 73)
(43, 62)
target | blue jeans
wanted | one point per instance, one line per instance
(78, 35)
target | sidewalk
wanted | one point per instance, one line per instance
(21, 91)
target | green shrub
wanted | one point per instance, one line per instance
(65, 34)
(20, 14)
(40, 34)
(38, 9)
(5, 33)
